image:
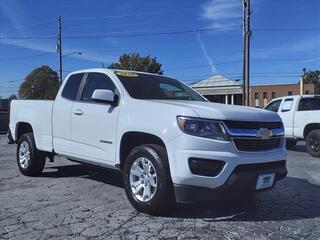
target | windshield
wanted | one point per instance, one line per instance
(145, 86)
(273, 106)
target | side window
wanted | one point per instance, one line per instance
(309, 104)
(96, 81)
(273, 106)
(172, 91)
(71, 87)
(286, 106)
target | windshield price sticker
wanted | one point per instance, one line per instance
(127, 74)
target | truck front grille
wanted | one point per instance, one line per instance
(253, 125)
(256, 144)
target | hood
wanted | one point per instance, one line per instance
(225, 112)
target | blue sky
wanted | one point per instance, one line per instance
(285, 37)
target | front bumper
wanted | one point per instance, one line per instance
(184, 147)
(241, 183)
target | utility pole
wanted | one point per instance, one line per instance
(59, 49)
(246, 51)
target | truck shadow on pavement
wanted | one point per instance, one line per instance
(99, 174)
(291, 199)
(298, 148)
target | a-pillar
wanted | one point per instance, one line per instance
(232, 99)
(226, 99)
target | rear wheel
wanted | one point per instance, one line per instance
(30, 160)
(291, 143)
(147, 179)
(313, 143)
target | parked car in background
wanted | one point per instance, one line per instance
(169, 142)
(4, 115)
(301, 119)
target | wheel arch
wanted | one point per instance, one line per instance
(132, 139)
(22, 128)
(309, 127)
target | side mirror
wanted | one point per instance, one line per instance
(105, 96)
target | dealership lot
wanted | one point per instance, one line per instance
(74, 201)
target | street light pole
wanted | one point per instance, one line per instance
(246, 51)
(59, 49)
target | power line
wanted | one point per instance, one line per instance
(205, 76)
(123, 35)
(9, 92)
(202, 65)
(129, 24)
(147, 30)
(287, 29)
(26, 57)
(281, 60)
(28, 25)
(28, 32)
(138, 34)
(236, 61)
(129, 15)
(11, 81)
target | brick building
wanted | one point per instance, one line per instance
(260, 95)
(223, 90)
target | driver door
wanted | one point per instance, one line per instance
(94, 124)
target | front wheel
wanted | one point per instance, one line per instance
(147, 179)
(30, 160)
(313, 143)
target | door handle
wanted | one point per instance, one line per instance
(78, 112)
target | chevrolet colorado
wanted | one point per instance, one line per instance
(301, 120)
(170, 143)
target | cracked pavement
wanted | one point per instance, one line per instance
(75, 201)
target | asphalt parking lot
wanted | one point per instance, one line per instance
(74, 201)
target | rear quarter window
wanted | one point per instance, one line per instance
(309, 104)
(70, 89)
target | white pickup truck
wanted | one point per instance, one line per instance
(301, 119)
(169, 142)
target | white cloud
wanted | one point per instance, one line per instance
(222, 13)
(16, 16)
(205, 53)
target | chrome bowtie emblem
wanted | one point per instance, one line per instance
(264, 133)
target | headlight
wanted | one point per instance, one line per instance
(203, 128)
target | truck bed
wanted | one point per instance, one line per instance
(38, 114)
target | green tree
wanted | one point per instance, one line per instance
(133, 61)
(312, 77)
(41, 83)
(12, 97)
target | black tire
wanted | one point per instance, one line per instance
(35, 165)
(163, 197)
(291, 143)
(313, 143)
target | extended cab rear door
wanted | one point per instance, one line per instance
(286, 112)
(93, 125)
(61, 114)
